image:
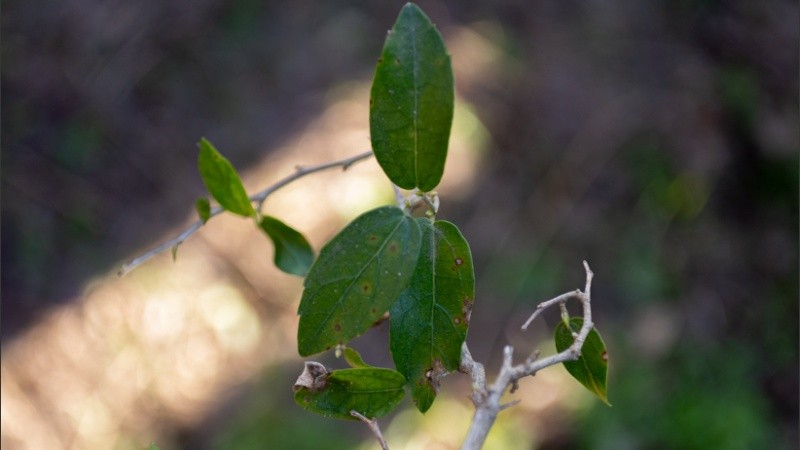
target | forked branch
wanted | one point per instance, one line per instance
(487, 397)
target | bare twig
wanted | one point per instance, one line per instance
(487, 398)
(257, 198)
(373, 426)
(345, 164)
(476, 371)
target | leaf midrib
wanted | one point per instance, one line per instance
(415, 112)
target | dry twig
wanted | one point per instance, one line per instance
(373, 426)
(487, 397)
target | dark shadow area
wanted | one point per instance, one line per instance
(657, 140)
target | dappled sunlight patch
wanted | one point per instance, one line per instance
(233, 320)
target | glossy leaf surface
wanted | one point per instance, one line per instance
(372, 391)
(293, 253)
(429, 321)
(411, 103)
(592, 367)
(358, 276)
(222, 181)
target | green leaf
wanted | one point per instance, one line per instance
(203, 209)
(293, 253)
(429, 321)
(222, 181)
(174, 252)
(411, 103)
(353, 358)
(358, 276)
(373, 392)
(591, 368)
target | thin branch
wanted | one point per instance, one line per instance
(257, 198)
(487, 398)
(510, 404)
(345, 164)
(373, 426)
(476, 371)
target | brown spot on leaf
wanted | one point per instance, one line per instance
(337, 327)
(366, 288)
(381, 319)
(467, 308)
(372, 238)
(459, 261)
(457, 321)
(392, 248)
(604, 356)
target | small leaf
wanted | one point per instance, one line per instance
(591, 368)
(356, 279)
(203, 208)
(411, 102)
(222, 181)
(429, 321)
(293, 253)
(373, 392)
(353, 358)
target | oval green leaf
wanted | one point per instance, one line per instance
(591, 368)
(429, 321)
(222, 181)
(411, 102)
(372, 391)
(293, 253)
(358, 276)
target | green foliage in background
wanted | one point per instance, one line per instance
(678, 403)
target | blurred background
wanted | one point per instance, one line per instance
(657, 140)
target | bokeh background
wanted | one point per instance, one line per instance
(657, 140)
